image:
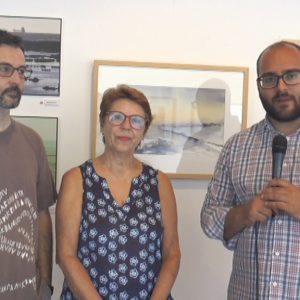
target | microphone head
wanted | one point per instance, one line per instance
(279, 144)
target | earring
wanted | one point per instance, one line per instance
(139, 147)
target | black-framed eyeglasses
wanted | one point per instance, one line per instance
(6, 70)
(117, 118)
(269, 81)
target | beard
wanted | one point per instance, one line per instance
(10, 97)
(280, 115)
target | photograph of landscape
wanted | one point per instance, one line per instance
(42, 43)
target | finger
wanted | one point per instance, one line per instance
(263, 215)
(276, 194)
(279, 182)
(265, 211)
(276, 205)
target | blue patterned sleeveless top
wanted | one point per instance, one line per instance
(120, 246)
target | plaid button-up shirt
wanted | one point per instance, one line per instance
(266, 260)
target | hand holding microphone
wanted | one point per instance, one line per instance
(261, 207)
(272, 193)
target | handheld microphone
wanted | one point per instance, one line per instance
(279, 145)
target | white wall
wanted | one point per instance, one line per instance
(214, 32)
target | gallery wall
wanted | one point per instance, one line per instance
(215, 32)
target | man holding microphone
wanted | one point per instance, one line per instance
(252, 214)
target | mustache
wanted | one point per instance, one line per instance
(12, 89)
(10, 97)
(283, 94)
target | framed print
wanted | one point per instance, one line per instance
(42, 44)
(46, 127)
(196, 108)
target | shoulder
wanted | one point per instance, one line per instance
(237, 147)
(71, 184)
(166, 195)
(74, 174)
(27, 136)
(149, 169)
(27, 131)
(247, 135)
(70, 197)
(162, 177)
(163, 181)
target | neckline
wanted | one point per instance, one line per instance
(9, 129)
(134, 180)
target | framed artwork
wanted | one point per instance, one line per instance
(42, 44)
(47, 128)
(196, 108)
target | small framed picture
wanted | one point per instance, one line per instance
(42, 44)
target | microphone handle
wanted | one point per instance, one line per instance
(277, 165)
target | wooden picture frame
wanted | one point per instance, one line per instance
(196, 109)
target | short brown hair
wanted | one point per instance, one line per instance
(124, 91)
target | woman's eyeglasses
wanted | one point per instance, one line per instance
(118, 118)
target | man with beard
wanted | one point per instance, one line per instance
(26, 189)
(252, 214)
